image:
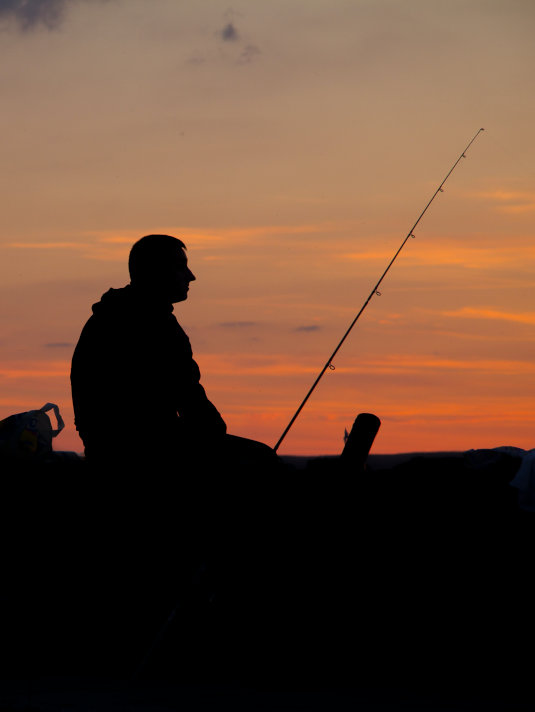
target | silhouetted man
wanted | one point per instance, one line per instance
(135, 385)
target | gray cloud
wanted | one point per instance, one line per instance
(237, 324)
(243, 51)
(229, 33)
(248, 54)
(30, 14)
(196, 59)
(308, 327)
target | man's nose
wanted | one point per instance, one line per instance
(191, 276)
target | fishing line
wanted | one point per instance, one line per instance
(375, 291)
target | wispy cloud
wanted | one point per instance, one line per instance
(253, 365)
(249, 54)
(308, 327)
(31, 14)
(48, 245)
(452, 255)
(204, 238)
(400, 363)
(220, 244)
(511, 201)
(94, 250)
(392, 364)
(237, 324)
(482, 313)
(35, 370)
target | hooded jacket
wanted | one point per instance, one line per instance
(135, 385)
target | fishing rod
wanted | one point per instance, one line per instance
(375, 291)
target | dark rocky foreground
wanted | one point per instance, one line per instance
(407, 586)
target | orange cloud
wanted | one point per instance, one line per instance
(48, 245)
(38, 369)
(236, 234)
(273, 365)
(510, 201)
(113, 246)
(404, 364)
(453, 254)
(480, 313)
(285, 365)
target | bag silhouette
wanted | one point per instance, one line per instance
(29, 435)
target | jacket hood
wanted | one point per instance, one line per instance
(116, 302)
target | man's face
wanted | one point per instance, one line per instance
(177, 277)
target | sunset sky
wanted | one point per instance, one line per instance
(291, 144)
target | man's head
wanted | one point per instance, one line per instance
(158, 264)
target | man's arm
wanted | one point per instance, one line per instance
(199, 415)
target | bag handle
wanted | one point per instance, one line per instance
(59, 419)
